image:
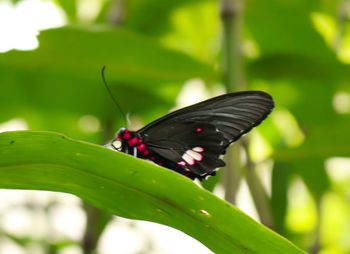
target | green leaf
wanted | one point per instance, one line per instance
(81, 52)
(292, 34)
(62, 78)
(131, 188)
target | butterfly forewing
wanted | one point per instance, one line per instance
(194, 137)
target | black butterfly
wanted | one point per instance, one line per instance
(191, 140)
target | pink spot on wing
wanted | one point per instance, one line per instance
(181, 163)
(145, 152)
(152, 158)
(199, 130)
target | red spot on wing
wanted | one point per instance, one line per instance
(199, 129)
(145, 152)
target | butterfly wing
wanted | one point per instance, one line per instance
(182, 144)
(194, 137)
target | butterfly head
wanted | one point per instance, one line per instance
(124, 140)
(118, 143)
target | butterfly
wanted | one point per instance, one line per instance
(191, 140)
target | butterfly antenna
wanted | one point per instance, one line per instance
(114, 100)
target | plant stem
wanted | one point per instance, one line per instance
(96, 219)
(116, 15)
(233, 67)
(316, 246)
(231, 16)
(342, 19)
(234, 79)
(259, 195)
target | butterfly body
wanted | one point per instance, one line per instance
(130, 143)
(191, 140)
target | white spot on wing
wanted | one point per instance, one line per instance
(198, 149)
(194, 155)
(188, 159)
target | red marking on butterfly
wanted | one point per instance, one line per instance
(133, 141)
(141, 147)
(199, 130)
(181, 163)
(126, 135)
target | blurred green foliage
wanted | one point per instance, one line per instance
(295, 50)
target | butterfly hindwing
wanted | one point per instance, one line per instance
(191, 145)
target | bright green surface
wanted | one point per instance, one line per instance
(131, 188)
